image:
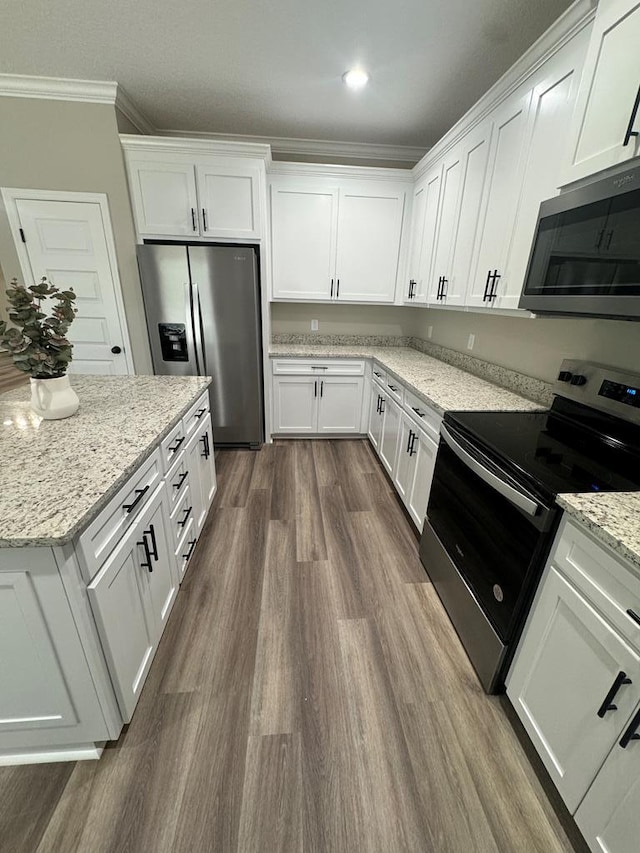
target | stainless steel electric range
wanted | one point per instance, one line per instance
(492, 511)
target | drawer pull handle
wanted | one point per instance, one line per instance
(418, 412)
(409, 441)
(181, 480)
(187, 513)
(192, 545)
(152, 533)
(140, 493)
(200, 413)
(382, 402)
(174, 447)
(633, 615)
(393, 388)
(146, 563)
(608, 704)
(375, 373)
(412, 450)
(206, 450)
(631, 733)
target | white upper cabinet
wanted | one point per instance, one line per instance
(303, 240)
(418, 208)
(447, 218)
(336, 240)
(164, 197)
(504, 179)
(184, 191)
(606, 120)
(229, 200)
(424, 221)
(369, 231)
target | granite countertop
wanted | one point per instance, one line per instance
(61, 473)
(440, 385)
(613, 517)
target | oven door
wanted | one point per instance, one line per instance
(495, 533)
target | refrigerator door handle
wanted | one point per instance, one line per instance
(196, 323)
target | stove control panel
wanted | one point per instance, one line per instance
(606, 388)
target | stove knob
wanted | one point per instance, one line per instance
(578, 379)
(564, 376)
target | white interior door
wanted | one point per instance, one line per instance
(66, 241)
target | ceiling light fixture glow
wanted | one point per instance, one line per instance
(356, 78)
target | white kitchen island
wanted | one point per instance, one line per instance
(99, 516)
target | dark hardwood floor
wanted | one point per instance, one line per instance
(309, 694)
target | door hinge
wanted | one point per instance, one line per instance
(22, 237)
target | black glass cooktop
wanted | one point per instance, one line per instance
(570, 448)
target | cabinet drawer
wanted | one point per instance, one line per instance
(104, 533)
(185, 546)
(318, 367)
(195, 414)
(604, 578)
(394, 389)
(177, 481)
(427, 417)
(181, 514)
(379, 375)
(172, 445)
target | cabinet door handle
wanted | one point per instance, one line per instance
(494, 285)
(409, 442)
(321, 387)
(140, 493)
(412, 450)
(315, 387)
(146, 563)
(445, 283)
(174, 447)
(192, 545)
(632, 120)
(412, 285)
(631, 732)
(152, 533)
(418, 412)
(382, 402)
(332, 288)
(204, 219)
(199, 414)
(337, 288)
(378, 404)
(633, 615)
(181, 480)
(187, 513)
(206, 450)
(194, 223)
(485, 295)
(607, 705)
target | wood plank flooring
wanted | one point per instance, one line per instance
(309, 695)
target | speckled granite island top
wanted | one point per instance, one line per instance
(613, 517)
(55, 476)
(442, 386)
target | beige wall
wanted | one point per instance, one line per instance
(290, 317)
(63, 145)
(532, 346)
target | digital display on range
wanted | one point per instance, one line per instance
(620, 392)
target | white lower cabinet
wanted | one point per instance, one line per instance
(391, 422)
(340, 404)
(202, 472)
(132, 596)
(575, 684)
(376, 416)
(414, 469)
(295, 404)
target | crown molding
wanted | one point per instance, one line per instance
(281, 168)
(194, 146)
(578, 16)
(58, 89)
(289, 147)
(129, 110)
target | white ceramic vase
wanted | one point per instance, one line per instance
(53, 399)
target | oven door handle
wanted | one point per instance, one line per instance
(515, 497)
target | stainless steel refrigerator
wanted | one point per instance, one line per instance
(203, 316)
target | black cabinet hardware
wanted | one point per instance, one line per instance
(315, 388)
(418, 412)
(116, 350)
(192, 545)
(378, 404)
(412, 450)
(393, 388)
(633, 615)
(375, 373)
(445, 288)
(607, 705)
(321, 387)
(632, 120)
(152, 533)
(187, 513)
(631, 732)
(382, 402)
(194, 224)
(493, 292)
(332, 288)
(337, 288)
(409, 441)
(146, 563)
(206, 449)
(199, 414)
(486, 286)
(204, 218)
(181, 480)
(140, 493)
(176, 446)
(412, 288)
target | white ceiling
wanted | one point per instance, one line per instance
(273, 67)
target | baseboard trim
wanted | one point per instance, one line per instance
(90, 752)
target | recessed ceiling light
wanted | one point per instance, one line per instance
(356, 78)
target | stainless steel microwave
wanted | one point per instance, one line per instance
(586, 252)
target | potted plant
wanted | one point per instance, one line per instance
(39, 346)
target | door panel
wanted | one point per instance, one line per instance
(229, 198)
(369, 231)
(450, 192)
(164, 198)
(295, 404)
(163, 581)
(390, 434)
(375, 417)
(340, 404)
(66, 242)
(303, 234)
(420, 487)
(566, 664)
(405, 465)
(206, 468)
